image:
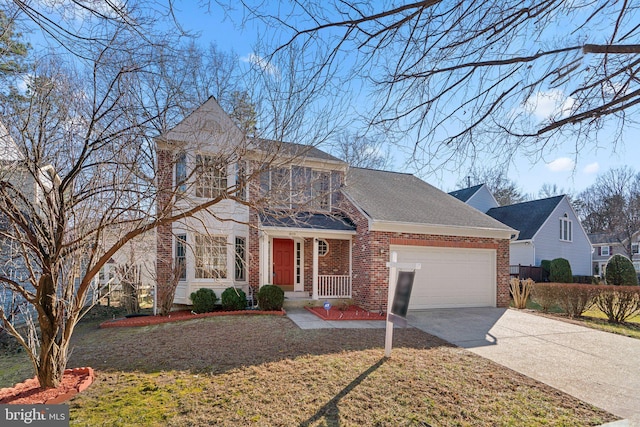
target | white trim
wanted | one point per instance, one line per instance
(314, 273)
(291, 232)
(441, 230)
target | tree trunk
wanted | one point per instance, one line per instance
(130, 297)
(52, 360)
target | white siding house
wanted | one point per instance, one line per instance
(477, 196)
(549, 228)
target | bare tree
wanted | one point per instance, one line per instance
(612, 205)
(87, 134)
(505, 191)
(466, 77)
(362, 151)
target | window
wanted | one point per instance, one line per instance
(211, 177)
(300, 185)
(241, 263)
(604, 251)
(323, 247)
(211, 257)
(565, 229)
(281, 186)
(322, 190)
(634, 248)
(181, 172)
(636, 265)
(241, 179)
(298, 262)
(181, 256)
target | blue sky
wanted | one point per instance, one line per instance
(561, 166)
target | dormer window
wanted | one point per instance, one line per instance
(566, 229)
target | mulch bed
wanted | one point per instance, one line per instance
(29, 392)
(176, 316)
(352, 312)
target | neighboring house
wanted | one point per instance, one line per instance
(549, 228)
(605, 245)
(315, 226)
(479, 196)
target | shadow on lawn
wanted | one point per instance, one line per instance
(219, 344)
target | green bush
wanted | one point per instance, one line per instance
(270, 297)
(233, 299)
(560, 271)
(203, 300)
(546, 269)
(620, 272)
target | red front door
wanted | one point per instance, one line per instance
(283, 262)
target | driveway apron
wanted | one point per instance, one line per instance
(597, 367)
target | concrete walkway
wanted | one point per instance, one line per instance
(597, 367)
(307, 320)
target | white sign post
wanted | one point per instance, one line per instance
(394, 266)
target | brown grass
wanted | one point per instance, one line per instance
(264, 371)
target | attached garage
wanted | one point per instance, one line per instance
(451, 277)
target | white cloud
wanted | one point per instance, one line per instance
(591, 168)
(254, 59)
(553, 103)
(561, 164)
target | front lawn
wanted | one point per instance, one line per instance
(264, 371)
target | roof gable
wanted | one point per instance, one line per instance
(465, 194)
(526, 217)
(404, 198)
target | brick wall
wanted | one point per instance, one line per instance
(371, 253)
(164, 234)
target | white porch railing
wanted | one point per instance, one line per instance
(330, 286)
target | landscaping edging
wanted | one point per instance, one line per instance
(180, 316)
(34, 383)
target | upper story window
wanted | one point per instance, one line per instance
(566, 231)
(181, 172)
(605, 251)
(241, 180)
(211, 177)
(634, 248)
(296, 187)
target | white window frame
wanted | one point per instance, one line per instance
(211, 177)
(635, 248)
(326, 245)
(210, 256)
(566, 229)
(602, 250)
(240, 260)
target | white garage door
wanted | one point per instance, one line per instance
(451, 277)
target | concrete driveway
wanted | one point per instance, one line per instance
(597, 367)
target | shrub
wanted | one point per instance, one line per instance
(560, 271)
(546, 295)
(233, 299)
(575, 299)
(520, 290)
(620, 272)
(545, 264)
(204, 300)
(618, 302)
(270, 297)
(585, 280)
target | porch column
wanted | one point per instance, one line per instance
(315, 269)
(350, 266)
(264, 259)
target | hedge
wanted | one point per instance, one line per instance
(618, 303)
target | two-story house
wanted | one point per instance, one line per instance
(297, 217)
(548, 228)
(605, 245)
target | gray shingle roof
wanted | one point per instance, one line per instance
(601, 238)
(401, 197)
(307, 220)
(292, 149)
(465, 194)
(526, 217)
